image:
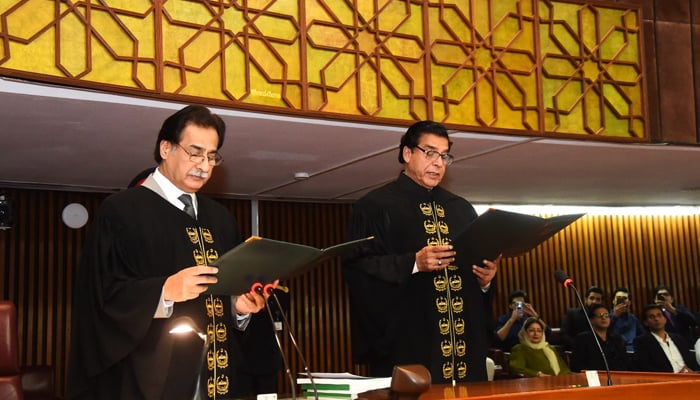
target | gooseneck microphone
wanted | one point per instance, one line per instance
(270, 290)
(258, 288)
(564, 278)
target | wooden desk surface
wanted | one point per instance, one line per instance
(626, 386)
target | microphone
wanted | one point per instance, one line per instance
(258, 288)
(270, 290)
(564, 278)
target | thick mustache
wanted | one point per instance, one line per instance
(199, 174)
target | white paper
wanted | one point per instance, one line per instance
(592, 377)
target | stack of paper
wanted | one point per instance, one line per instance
(339, 386)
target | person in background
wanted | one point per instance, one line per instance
(679, 319)
(574, 322)
(622, 321)
(659, 350)
(534, 356)
(143, 271)
(586, 354)
(508, 325)
(411, 301)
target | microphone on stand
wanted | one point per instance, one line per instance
(564, 278)
(270, 290)
(258, 288)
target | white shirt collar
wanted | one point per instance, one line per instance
(171, 191)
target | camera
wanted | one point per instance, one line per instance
(660, 297)
(519, 308)
(620, 300)
(5, 212)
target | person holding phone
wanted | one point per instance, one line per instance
(679, 319)
(622, 321)
(508, 325)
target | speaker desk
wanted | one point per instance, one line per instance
(626, 386)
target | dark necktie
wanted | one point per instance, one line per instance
(187, 201)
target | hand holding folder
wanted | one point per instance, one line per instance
(260, 260)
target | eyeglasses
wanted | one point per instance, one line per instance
(433, 155)
(603, 315)
(212, 158)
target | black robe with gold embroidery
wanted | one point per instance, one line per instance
(118, 349)
(438, 319)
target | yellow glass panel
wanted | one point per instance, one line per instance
(146, 75)
(342, 99)
(264, 92)
(355, 58)
(108, 70)
(369, 93)
(236, 79)
(73, 44)
(29, 20)
(194, 12)
(274, 27)
(339, 70)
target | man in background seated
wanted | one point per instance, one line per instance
(586, 354)
(509, 324)
(622, 321)
(679, 319)
(574, 321)
(659, 350)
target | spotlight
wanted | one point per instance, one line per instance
(5, 211)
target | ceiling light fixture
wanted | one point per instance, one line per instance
(300, 176)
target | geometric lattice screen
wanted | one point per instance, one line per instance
(533, 66)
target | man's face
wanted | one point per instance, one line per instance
(187, 175)
(601, 318)
(655, 320)
(424, 172)
(515, 300)
(621, 298)
(666, 296)
(594, 298)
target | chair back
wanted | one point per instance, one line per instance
(10, 378)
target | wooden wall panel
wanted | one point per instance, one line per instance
(39, 254)
(318, 313)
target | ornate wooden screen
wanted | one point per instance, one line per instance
(522, 66)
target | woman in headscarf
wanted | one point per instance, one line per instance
(534, 356)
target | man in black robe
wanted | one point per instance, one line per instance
(143, 269)
(414, 298)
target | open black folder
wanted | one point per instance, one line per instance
(264, 260)
(509, 233)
